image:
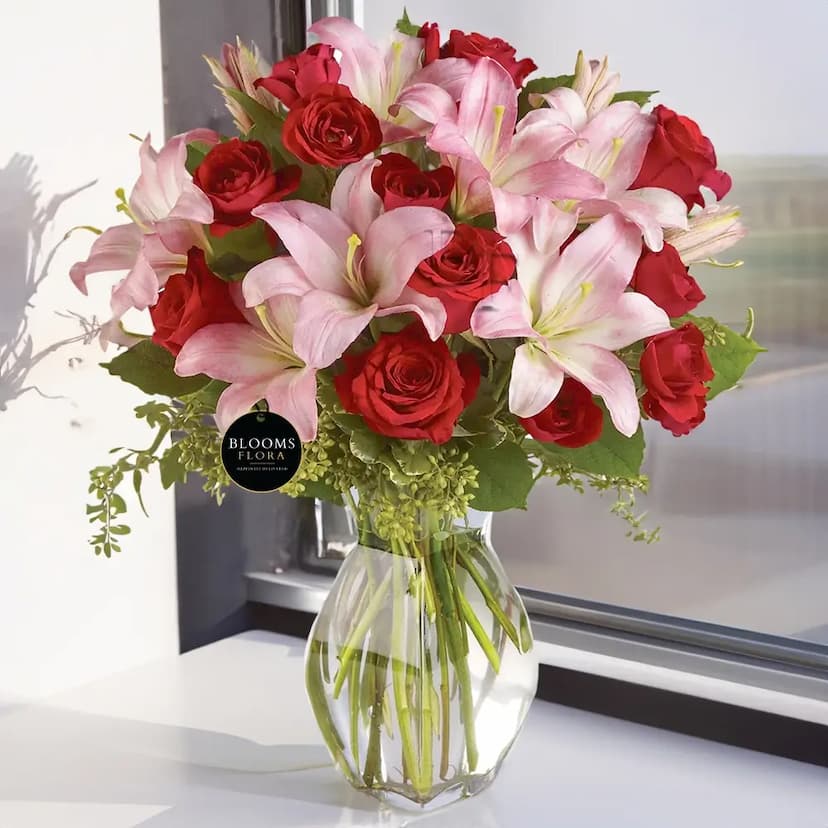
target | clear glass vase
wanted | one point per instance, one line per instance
(419, 668)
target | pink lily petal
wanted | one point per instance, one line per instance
(512, 210)
(396, 243)
(605, 375)
(427, 101)
(603, 257)
(623, 122)
(536, 245)
(138, 289)
(566, 104)
(632, 317)
(327, 324)
(653, 205)
(488, 111)
(179, 235)
(535, 382)
(315, 237)
(449, 74)
(232, 352)
(505, 313)
(353, 198)
(292, 394)
(165, 189)
(115, 249)
(431, 310)
(363, 65)
(113, 332)
(555, 179)
(236, 400)
(274, 277)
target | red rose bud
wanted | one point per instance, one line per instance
(238, 176)
(473, 265)
(331, 127)
(399, 182)
(475, 46)
(675, 368)
(572, 419)
(681, 159)
(408, 386)
(430, 33)
(190, 301)
(664, 278)
(299, 76)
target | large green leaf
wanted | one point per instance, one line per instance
(730, 353)
(613, 454)
(504, 477)
(150, 367)
(540, 85)
(171, 468)
(234, 253)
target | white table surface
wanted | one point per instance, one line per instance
(222, 736)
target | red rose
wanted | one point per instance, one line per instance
(664, 278)
(398, 181)
(298, 76)
(331, 127)
(189, 301)
(430, 33)
(472, 266)
(680, 159)
(475, 46)
(408, 386)
(675, 368)
(237, 176)
(572, 419)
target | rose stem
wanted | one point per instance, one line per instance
(477, 629)
(398, 671)
(316, 695)
(491, 602)
(372, 756)
(455, 629)
(350, 647)
(353, 699)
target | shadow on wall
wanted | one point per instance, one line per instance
(23, 267)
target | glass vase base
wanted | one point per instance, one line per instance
(405, 798)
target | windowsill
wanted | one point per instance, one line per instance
(224, 735)
(705, 676)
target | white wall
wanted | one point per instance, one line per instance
(79, 77)
(751, 72)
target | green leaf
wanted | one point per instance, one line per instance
(170, 467)
(414, 456)
(613, 454)
(195, 154)
(638, 96)
(540, 85)
(367, 446)
(504, 477)
(322, 491)
(730, 353)
(237, 251)
(405, 26)
(150, 367)
(209, 394)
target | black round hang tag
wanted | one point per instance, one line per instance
(261, 451)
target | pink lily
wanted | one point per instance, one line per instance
(709, 232)
(574, 311)
(496, 167)
(167, 211)
(376, 75)
(259, 362)
(348, 264)
(612, 145)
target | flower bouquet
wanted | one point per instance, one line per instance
(452, 282)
